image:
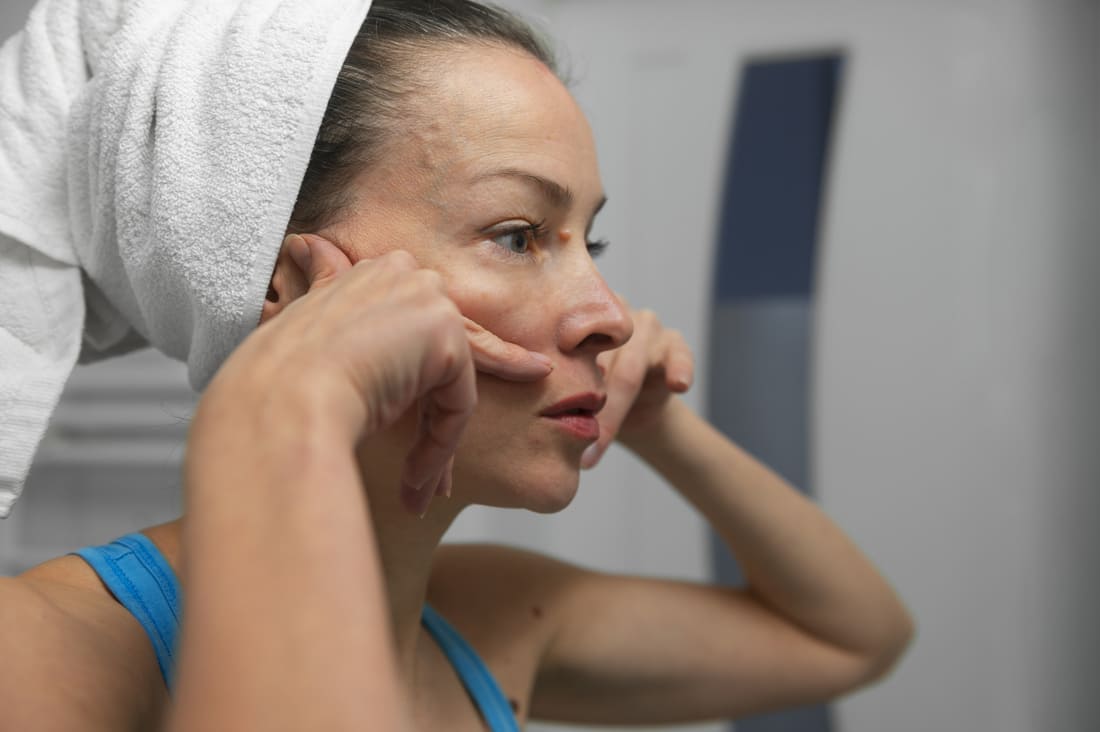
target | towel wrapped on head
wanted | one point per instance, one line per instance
(151, 153)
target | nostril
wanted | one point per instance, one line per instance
(601, 341)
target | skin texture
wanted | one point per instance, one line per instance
(361, 381)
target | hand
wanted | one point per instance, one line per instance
(390, 307)
(491, 354)
(641, 377)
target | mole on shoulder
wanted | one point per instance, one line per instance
(536, 611)
(515, 706)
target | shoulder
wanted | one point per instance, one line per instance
(502, 598)
(74, 659)
(513, 580)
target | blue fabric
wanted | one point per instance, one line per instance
(141, 579)
(476, 677)
(138, 576)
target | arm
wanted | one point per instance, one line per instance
(286, 623)
(798, 563)
(815, 620)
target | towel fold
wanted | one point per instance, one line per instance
(150, 157)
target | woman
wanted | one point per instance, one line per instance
(454, 183)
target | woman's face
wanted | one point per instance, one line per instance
(494, 184)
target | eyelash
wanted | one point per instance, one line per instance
(598, 247)
(538, 232)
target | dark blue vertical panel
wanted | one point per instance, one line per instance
(760, 331)
(774, 178)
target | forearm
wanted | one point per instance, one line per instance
(796, 560)
(285, 622)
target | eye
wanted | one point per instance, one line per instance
(518, 239)
(596, 248)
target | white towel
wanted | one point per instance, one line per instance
(150, 156)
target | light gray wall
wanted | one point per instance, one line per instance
(956, 341)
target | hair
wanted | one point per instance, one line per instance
(371, 99)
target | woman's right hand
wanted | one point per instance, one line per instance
(363, 345)
(401, 349)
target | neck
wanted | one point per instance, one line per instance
(406, 547)
(406, 543)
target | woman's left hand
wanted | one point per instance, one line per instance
(641, 377)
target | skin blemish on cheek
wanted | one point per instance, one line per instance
(536, 611)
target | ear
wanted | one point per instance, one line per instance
(288, 283)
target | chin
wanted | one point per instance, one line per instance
(543, 486)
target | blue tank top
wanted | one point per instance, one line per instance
(140, 578)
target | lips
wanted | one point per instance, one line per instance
(584, 405)
(577, 415)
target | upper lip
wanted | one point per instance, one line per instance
(588, 404)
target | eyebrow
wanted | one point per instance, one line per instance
(559, 196)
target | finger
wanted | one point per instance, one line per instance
(444, 412)
(497, 357)
(446, 481)
(431, 453)
(319, 258)
(415, 501)
(626, 374)
(679, 364)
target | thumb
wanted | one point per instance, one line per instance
(320, 259)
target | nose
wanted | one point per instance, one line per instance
(595, 318)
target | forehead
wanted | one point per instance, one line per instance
(488, 106)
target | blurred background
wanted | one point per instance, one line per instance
(876, 223)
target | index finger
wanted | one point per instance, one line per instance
(495, 356)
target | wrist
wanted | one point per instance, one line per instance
(261, 427)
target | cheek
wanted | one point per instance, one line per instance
(514, 309)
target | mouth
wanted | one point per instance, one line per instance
(585, 405)
(577, 415)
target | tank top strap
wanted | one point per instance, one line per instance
(143, 582)
(475, 675)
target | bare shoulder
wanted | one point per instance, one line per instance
(502, 599)
(73, 658)
(504, 577)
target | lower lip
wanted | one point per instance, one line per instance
(578, 425)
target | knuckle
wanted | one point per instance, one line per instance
(429, 279)
(399, 258)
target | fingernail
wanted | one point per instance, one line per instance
(591, 456)
(299, 252)
(542, 359)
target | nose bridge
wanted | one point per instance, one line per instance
(594, 317)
